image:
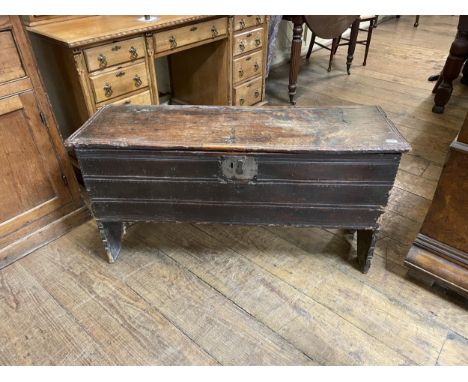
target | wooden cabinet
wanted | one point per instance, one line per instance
(440, 251)
(39, 195)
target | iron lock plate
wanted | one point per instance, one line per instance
(239, 168)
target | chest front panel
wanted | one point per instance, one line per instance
(297, 189)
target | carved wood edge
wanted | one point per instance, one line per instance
(443, 250)
(426, 265)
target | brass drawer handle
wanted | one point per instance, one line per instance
(242, 24)
(214, 31)
(241, 72)
(107, 89)
(133, 53)
(173, 42)
(193, 29)
(120, 74)
(102, 61)
(242, 46)
(257, 93)
(256, 66)
(259, 20)
(116, 48)
(137, 80)
(241, 101)
(258, 41)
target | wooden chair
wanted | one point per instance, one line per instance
(336, 40)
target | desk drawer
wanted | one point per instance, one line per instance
(249, 93)
(143, 98)
(176, 38)
(247, 41)
(118, 52)
(120, 81)
(243, 22)
(247, 66)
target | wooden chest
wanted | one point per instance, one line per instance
(321, 167)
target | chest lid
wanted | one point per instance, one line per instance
(243, 129)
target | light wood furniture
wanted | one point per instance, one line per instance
(440, 252)
(39, 195)
(100, 60)
(329, 167)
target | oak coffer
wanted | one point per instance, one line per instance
(310, 167)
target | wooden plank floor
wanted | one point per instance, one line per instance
(206, 295)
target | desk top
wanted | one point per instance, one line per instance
(354, 129)
(87, 30)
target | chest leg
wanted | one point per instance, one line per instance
(111, 235)
(365, 248)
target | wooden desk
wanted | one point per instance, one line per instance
(90, 62)
(296, 45)
(324, 167)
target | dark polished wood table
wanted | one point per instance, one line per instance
(457, 58)
(296, 45)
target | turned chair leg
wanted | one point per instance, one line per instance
(369, 37)
(333, 49)
(416, 22)
(311, 45)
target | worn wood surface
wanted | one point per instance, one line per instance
(65, 305)
(37, 186)
(268, 129)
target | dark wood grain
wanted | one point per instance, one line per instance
(267, 129)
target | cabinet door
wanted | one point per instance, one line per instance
(31, 179)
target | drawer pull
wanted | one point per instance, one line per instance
(127, 102)
(214, 31)
(242, 24)
(102, 61)
(259, 20)
(241, 101)
(258, 41)
(173, 42)
(133, 53)
(193, 29)
(241, 72)
(256, 66)
(116, 48)
(257, 93)
(137, 80)
(242, 46)
(107, 89)
(120, 74)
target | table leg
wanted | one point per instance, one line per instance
(352, 44)
(452, 67)
(111, 235)
(295, 58)
(365, 248)
(464, 79)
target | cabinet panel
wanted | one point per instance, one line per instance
(30, 174)
(11, 67)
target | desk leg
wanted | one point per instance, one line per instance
(295, 59)
(111, 235)
(365, 248)
(352, 45)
